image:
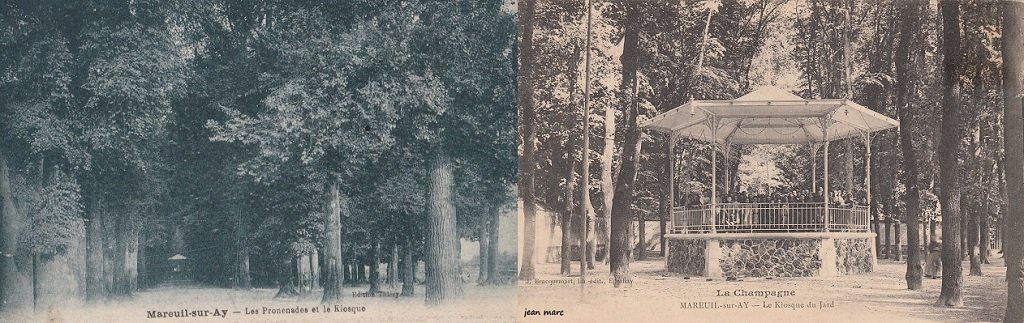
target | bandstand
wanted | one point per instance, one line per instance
(791, 239)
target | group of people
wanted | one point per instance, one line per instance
(837, 198)
(798, 210)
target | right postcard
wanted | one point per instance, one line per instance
(770, 161)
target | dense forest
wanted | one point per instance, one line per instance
(274, 144)
(943, 69)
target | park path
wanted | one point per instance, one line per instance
(480, 304)
(880, 296)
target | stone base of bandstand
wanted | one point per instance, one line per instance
(782, 254)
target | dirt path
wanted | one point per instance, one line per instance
(480, 304)
(653, 297)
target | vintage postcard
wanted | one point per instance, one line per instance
(500, 161)
(769, 161)
(257, 161)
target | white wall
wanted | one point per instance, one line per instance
(546, 237)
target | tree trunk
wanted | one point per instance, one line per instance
(361, 273)
(347, 269)
(878, 233)
(125, 260)
(1013, 137)
(622, 206)
(567, 215)
(314, 268)
(565, 251)
(286, 279)
(984, 238)
(591, 235)
(876, 228)
(144, 282)
(948, 154)
(409, 270)
(973, 237)
(888, 235)
(607, 186)
(1004, 200)
(389, 275)
(492, 252)
(528, 138)
(485, 239)
(110, 264)
(898, 245)
(35, 282)
(393, 267)
(443, 281)
(641, 244)
(305, 274)
(965, 200)
(242, 278)
(375, 269)
(332, 247)
(10, 290)
(95, 289)
(132, 259)
(585, 206)
(458, 252)
(632, 236)
(848, 151)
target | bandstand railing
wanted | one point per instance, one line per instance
(770, 217)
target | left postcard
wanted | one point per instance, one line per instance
(257, 161)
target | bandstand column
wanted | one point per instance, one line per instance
(867, 171)
(671, 185)
(867, 196)
(825, 197)
(714, 186)
(825, 121)
(714, 174)
(712, 249)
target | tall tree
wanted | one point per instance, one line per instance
(586, 215)
(475, 123)
(907, 52)
(296, 104)
(607, 183)
(566, 219)
(559, 29)
(527, 136)
(949, 157)
(1013, 137)
(620, 248)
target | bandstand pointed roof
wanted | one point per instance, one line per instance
(770, 115)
